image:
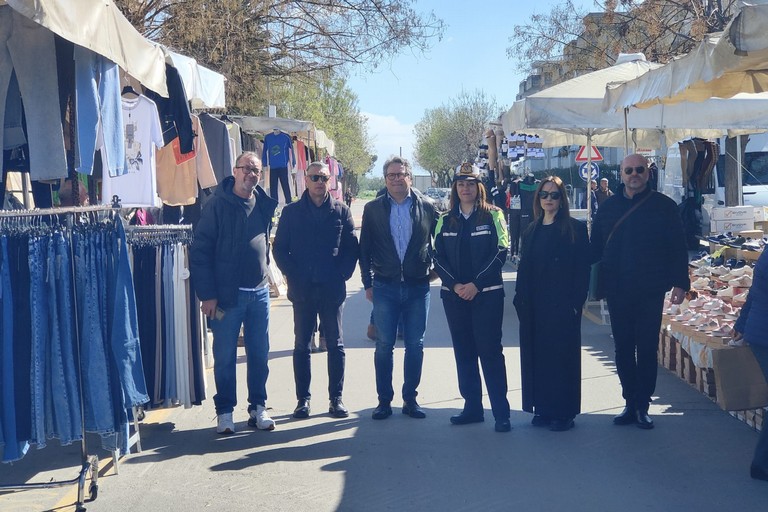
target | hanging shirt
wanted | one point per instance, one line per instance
(138, 187)
(278, 151)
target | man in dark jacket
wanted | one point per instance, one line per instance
(229, 265)
(395, 261)
(643, 255)
(316, 249)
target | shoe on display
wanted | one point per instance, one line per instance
(719, 271)
(741, 282)
(723, 331)
(260, 419)
(224, 424)
(725, 292)
(700, 284)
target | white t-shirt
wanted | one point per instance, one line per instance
(143, 134)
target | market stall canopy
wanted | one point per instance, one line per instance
(102, 28)
(571, 112)
(723, 65)
(204, 87)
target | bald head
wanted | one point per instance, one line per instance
(634, 174)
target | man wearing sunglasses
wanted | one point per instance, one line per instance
(639, 239)
(316, 249)
(395, 263)
(229, 263)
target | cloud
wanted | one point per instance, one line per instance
(389, 135)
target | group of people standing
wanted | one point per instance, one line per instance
(404, 244)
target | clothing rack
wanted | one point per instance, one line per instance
(89, 463)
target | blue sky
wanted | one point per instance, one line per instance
(472, 55)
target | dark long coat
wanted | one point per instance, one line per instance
(552, 285)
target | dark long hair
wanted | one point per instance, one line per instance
(563, 215)
(481, 203)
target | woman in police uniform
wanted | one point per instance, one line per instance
(471, 243)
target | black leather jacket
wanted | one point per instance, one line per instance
(378, 255)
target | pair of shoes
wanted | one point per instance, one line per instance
(465, 418)
(503, 425)
(627, 417)
(323, 345)
(540, 421)
(643, 421)
(561, 425)
(413, 409)
(337, 409)
(260, 419)
(382, 411)
(302, 409)
(758, 473)
(224, 424)
(371, 332)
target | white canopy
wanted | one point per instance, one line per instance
(734, 61)
(204, 87)
(571, 113)
(101, 27)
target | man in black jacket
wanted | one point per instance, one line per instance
(395, 261)
(228, 262)
(316, 249)
(643, 256)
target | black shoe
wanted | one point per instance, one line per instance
(502, 426)
(413, 409)
(627, 417)
(337, 409)
(540, 421)
(465, 418)
(561, 425)
(302, 409)
(757, 473)
(382, 411)
(643, 420)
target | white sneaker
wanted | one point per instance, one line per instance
(260, 419)
(225, 425)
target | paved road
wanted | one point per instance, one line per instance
(697, 458)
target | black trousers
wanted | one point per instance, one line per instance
(281, 174)
(760, 459)
(475, 328)
(305, 315)
(635, 323)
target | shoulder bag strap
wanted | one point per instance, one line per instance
(627, 214)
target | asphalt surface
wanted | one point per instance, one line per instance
(697, 457)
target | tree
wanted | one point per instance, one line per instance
(584, 42)
(258, 43)
(451, 134)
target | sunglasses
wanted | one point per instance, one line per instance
(318, 177)
(638, 170)
(249, 169)
(554, 195)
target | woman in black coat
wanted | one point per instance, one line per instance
(552, 285)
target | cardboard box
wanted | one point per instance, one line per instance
(739, 379)
(761, 213)
(733, 213)
(734, 226)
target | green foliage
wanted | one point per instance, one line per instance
(450, 134)
(370, 184)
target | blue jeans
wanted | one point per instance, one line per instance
(409, 302)
(38, 255)
(760, 459)
(252, 312)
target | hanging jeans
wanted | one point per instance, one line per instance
(15, 448)
(28, 48)
(40, 367)
(99, 112)
(281, 174)
(63, 416)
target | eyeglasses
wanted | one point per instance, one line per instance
(553, 195)
(318, 177)
(397, 176)
(639, 170)
(249, 169)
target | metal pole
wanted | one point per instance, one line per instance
(626, 131)
(739, 184)
(589, 182)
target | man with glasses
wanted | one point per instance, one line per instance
(639, 239)
(316, 249)
(395, 263)
(228, 262)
